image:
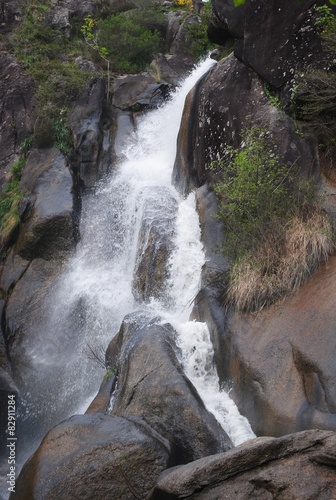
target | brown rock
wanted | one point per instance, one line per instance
(153, 386)
(94, 456)
(296, 467)
(286, 353)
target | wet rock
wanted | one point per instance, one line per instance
(16, 91)
(101, 402)
(155, 247)
(10, 15)
(152, 385)
(90, 131)
(228, 99)
(94, 456)
(48, 230)
(296, 466)
(138, 92)
(273, 40)
(286, 354)
(123, 133)
(13, 270)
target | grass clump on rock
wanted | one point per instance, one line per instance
(276, 233)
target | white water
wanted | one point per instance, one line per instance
(95, 292)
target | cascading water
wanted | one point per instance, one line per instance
(97, 288)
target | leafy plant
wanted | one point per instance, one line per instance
(199, 43)
(131, 39)
(260, 201)
(47, 55)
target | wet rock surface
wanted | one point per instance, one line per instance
(95, 456)
(273, 40)
(228, 99)
(152, 385)
(296, 466)
(155, 247)
(47, 228)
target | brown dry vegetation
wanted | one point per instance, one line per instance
(282, 262)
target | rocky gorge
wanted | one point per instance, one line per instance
(148, 433)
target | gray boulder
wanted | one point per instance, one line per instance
(91, 131)
(94, 456)
(292, 467)
(275, 41)
(152, 385)
(47, 211)
(228, 99)
(155, 247)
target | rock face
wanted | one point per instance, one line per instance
(16, 100)
(91, 135)
(275, 41)
(226, 101)
(152, 385)
(155, 247)
(94, 456)
(296, 466)
(286, 353)
(279, 362)
(47, 207)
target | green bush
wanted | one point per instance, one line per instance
(199, 43)
(272, 222)
(47, 56)
(131, 39)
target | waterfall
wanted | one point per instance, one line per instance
(86, 306)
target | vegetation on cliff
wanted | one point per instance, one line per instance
(276, 233)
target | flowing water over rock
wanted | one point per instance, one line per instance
(140, 248)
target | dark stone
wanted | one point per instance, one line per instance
(16, 89)
(152, 385)
(8, 393)
(13, 270)
(101, 402)
(155, 247)
(94, 456)
(10, 15)
(138, 92)
(227, 100)
(282, 359)
(123, 133)
(275, 41)
(48, 227)
(91, 134)
(297, 466)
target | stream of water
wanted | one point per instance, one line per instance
(96, 290)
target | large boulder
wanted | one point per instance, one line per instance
(152, 385)
(296, 466)
(91, 134)
(286, 354)
(155, 247)
(94, 456)
(47, 210)
(230, 98)
(275, 41)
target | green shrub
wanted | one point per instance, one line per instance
(260, 202)
(199, 43)
(131, 39)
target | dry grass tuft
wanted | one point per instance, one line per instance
(282, 262)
